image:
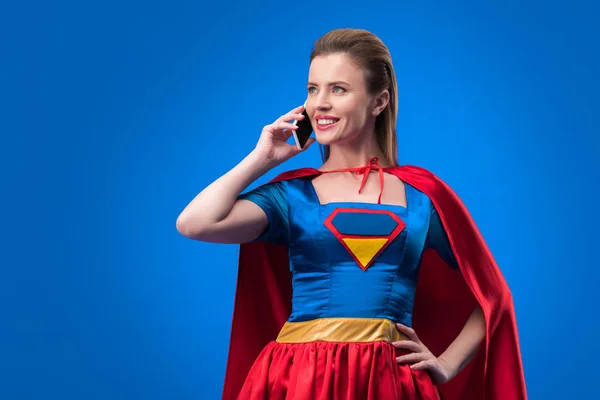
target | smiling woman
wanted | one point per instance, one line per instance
(355, 77)
(347, 98)
(347, 290)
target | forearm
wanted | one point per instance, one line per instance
(215, 202)
(465, 346)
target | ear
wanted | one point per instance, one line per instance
(380, 102)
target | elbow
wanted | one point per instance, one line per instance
(188, 228)
(182, 225)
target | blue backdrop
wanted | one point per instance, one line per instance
(115, 114)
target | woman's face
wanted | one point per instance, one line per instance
(338, 104)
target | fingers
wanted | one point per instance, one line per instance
(284, 127)
(292, 115)
(412, 358)
(298, 109)
(407, 345)
(408, 332)
(426, 364)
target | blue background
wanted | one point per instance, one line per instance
(115, 114)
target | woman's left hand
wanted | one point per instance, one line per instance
(421, 356)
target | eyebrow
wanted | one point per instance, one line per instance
(330, 84)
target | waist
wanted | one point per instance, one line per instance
(340, 330)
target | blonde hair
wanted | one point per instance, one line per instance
(373, 56)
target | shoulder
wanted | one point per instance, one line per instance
(295, 174)
(427, 182)
(415, 171)
(421, 178)
(277, 187)
(272, 189)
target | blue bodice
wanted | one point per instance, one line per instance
(352, 260)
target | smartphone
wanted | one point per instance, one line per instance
(304, 130)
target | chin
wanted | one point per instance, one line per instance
(322, 140)
(325, 141)
(326, 138)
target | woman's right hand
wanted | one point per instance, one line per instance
(272, 144)
(215, 214)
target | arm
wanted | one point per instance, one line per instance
(464, 347)
(215, 214)
(462, 350)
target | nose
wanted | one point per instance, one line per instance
(322, 102)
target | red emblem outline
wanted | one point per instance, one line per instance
(399, 228)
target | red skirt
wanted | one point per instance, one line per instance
(334, 371)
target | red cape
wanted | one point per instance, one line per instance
(444, 300)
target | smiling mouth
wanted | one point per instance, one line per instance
(326, 123)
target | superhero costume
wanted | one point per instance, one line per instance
(354, 268)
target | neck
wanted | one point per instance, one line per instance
(354, 154)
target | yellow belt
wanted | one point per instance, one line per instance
(340, 330)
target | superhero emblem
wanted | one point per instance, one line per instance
(364, 233)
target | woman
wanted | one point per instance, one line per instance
(359, 326)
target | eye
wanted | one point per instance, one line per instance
(311, 89)
(338, 89)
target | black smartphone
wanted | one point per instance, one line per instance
(304, 130)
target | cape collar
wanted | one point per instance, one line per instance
(365, 171)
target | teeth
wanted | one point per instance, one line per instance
(326, 121)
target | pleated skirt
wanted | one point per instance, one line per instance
(323, 370)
